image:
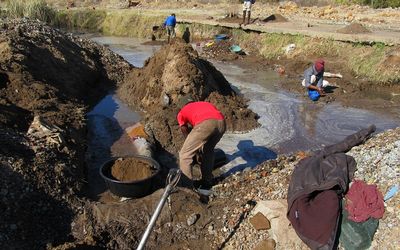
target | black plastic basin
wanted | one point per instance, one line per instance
(131, 189)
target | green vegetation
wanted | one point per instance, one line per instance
(373, 3)
(131, 23)
(35, 9)
(367, 63)
(83, 19)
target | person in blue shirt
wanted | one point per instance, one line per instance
(313, 80)
(170, 23)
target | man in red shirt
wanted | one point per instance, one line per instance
(208, 126)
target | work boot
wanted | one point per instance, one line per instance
(248, 17)
(244, 17)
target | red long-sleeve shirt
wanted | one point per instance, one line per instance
(196, 112)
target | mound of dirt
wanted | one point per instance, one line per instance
(353, 28)
(276, 18)
(55, 77)
(130, 169)
(175, 71)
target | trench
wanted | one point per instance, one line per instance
(289, 123)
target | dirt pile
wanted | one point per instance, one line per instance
(130, 169)
(275, 18)
(353, 28)
(173, 72)
(54, 77)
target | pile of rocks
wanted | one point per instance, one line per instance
(378, 163)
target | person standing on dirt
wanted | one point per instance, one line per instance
(203, 125)
(313, 80)
(170, 23)
(247, 10)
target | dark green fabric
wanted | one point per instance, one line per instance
(357, 236)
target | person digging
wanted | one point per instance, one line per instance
(313, 80)
(169, 24)
(202, 125)
(247, 10)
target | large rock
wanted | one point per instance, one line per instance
(281, 230)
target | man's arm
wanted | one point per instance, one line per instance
(320, 90)
(185, 130)
(174, 22)
(321, 79)
(319, 84)
(307, 78)
(165, 22)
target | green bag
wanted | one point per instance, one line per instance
(357, 236)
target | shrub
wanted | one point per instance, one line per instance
(36, 9)
(373, 3)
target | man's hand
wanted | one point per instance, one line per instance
(185, 130)
(321, 91)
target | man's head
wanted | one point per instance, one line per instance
(172, 14)
(319, 65)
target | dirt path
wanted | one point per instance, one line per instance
(328, 31)
(322, 22)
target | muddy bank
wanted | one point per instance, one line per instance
(55, 78)
(350, 90)
(173, 72)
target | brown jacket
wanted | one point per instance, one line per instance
(328, 169)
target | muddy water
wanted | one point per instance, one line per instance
(109, 119)
(288, 122)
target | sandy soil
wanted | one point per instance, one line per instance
(130, 169)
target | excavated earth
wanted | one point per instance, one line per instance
(48, 82)
(54, 77)
(172, 73)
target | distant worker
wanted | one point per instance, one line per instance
(247, 10)
(203, 125)
(313, 80)
(170, 23)
(186, 35)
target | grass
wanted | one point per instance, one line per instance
(130, 23)
(368, 63)
(35, 9)
(83, 19)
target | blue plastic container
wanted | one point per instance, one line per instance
(221, 37)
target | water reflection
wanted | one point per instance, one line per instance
(308, 115)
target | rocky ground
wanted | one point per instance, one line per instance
(378, 163)
(48, 81)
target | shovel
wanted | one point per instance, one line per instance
(172, 180)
